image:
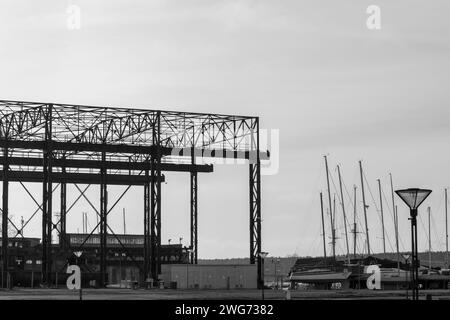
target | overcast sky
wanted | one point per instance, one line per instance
(311, 69)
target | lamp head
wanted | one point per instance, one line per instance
(413, 197)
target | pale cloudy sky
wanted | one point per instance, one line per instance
(311, 69)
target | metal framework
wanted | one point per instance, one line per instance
(63, 144)
(194, 214)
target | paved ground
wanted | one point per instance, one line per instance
(156, 294)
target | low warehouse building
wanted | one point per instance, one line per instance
(206, 276)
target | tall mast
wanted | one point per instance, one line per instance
(394, 208)
(323, 230)
(343, 212)
(429, 237)
(365, 208)
(446, 230)
(354, 222)
(382, 218)
(334, 217)
(396, 237)
(333, 240)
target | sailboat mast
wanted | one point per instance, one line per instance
(334, 216)
(343, 212)
(382, 218)
(333, 240)
(354, 222)
(429, 237)
(365, 208)
(323, 230)
(394, 208)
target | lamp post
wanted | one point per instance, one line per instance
(413, 198)
(262, 256)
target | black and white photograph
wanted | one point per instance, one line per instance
(228, 156)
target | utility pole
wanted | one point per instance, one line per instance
(323, 230)
(446, 230)
(429, 237)
(354, 222)
(365, 208)
(343, 212)
(394, 208)
(333, 240)
(382, 218)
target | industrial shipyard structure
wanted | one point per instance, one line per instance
(60, 144)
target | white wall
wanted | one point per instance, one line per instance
(210, 276)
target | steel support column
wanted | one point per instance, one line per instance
(155, 207)
(5, 217)
(147, 243)
(103, 221)
(47, 200)
(62, 218)
(155, 221)
(255, 205)
(194, 213)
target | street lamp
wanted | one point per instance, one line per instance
(262, 256)
(413, 198)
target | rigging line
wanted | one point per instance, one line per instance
(340, 249)
(441, 243)
(376, 209)
(358, 221)
(312, 200)
(424, 228)
(379, 211)
(336, 193)
(400, 241)
(312, 248)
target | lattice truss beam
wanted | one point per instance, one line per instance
(26, 121)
